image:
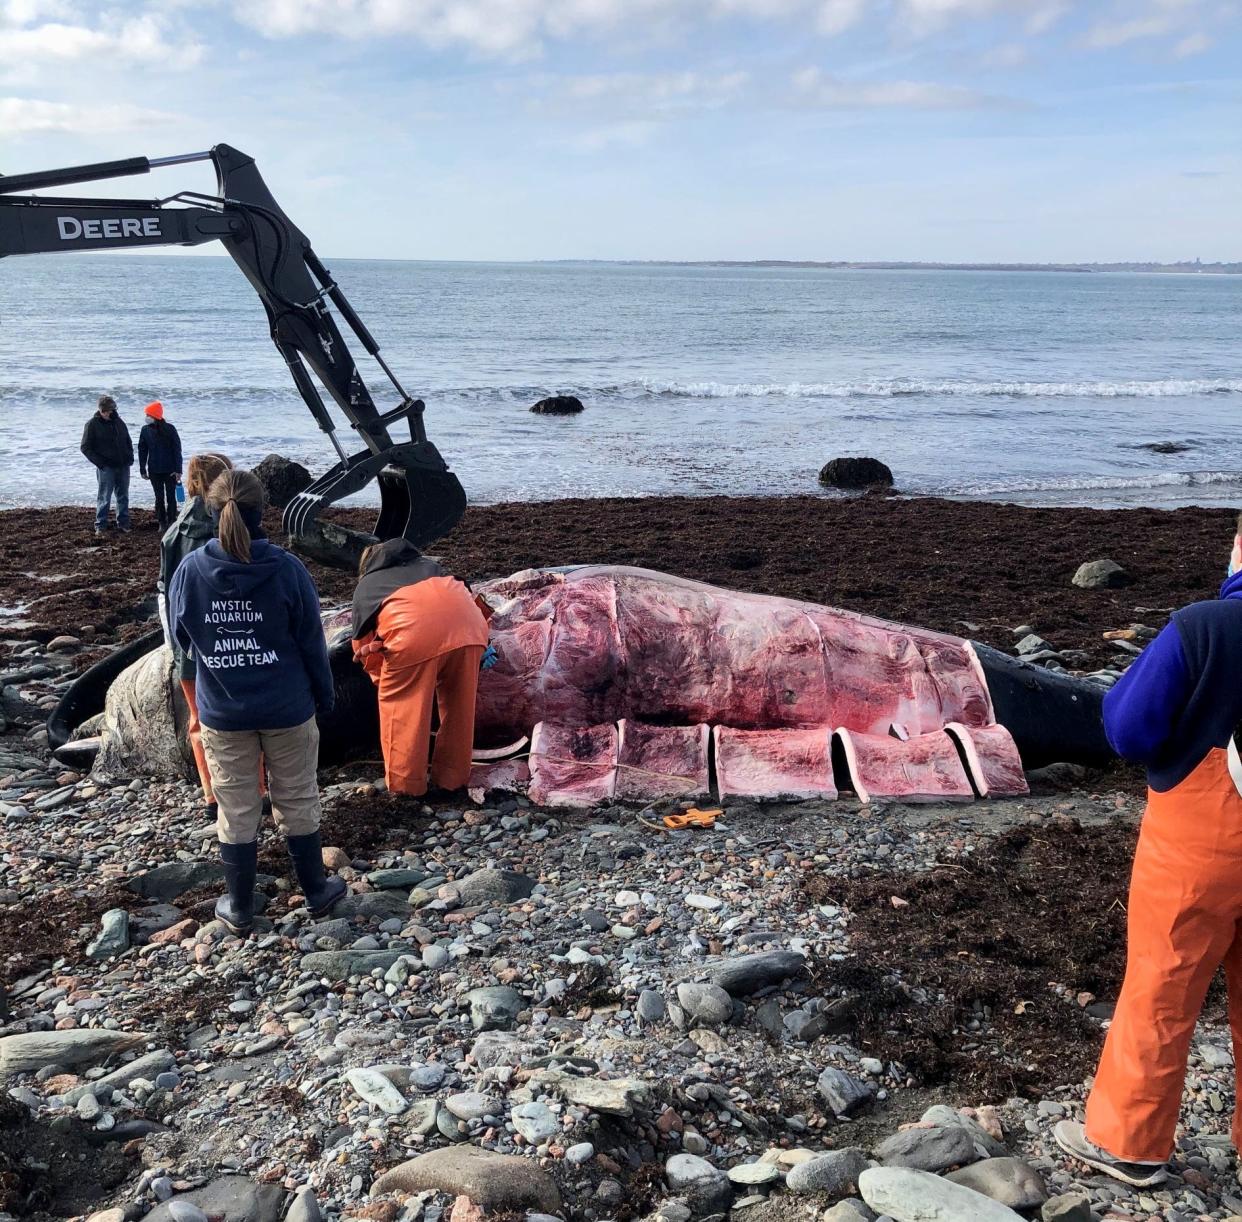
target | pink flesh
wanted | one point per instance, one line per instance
(603, 643)
(923, 769)
(572, 767)
(774, 763)
(993, 760)
(661, 762)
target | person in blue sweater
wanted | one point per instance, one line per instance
(1176, 710)
(248, 613)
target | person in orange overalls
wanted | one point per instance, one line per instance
(422, 639)
(1176, 711)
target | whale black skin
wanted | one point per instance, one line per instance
(1054, 718)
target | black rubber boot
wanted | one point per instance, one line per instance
(321, 890)
(241, 864)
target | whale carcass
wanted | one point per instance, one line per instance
(618, 683)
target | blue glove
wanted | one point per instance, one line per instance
(489, 659)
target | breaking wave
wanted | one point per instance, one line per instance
(1170, 388)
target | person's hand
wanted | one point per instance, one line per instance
(142, 473)
(370, 648)
(489, 659)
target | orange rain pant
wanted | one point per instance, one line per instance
(1185, 920)
(407, 696)
(433, 636)
(194, 732)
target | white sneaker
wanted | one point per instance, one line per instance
(1072, 1138)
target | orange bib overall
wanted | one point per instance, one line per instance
(433, 637)
(1184, 921)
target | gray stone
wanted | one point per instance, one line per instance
(580, 1153)
(494, 1048)
(743, 975)
(943, 1115)
(1007, 1180)
(535, 1121)
(305, 1207)
(651, 1006)
(472, 1105)
(149, 1066)
(374, 905)
(166, 882)
(842, 1092)
(1101, 575)
(1069, 1207)
(233, 1198)
(186, 1211)
(492, 1181)
(377, 1090)
(434, 957)
(705, 1188)
(89, 1108)
(341, 964)
(849, 1211)
(705, 1003)
(612, 1096)
(927, 1149)
(1032, 644)
(396, 879)
(113, 936)
(855, 473)
(29, 1053)
(489, 887)
(750, 1175)
(834, 1174)
(908, 1195)
(493, 1008)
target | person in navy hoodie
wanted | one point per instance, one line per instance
(248, 613)
(1177, 710)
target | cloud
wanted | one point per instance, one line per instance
(647, 95)
(1186, 22)
(143, 39)
(522, 27)
(27, 116)
(818, 90)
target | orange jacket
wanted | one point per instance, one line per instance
(421, 622)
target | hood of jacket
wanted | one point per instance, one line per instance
(1232, 587)
(229, 578)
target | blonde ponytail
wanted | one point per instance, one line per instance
(230, 494)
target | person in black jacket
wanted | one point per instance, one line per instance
(106, 443)
(159, 460)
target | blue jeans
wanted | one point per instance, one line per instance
(111, 482)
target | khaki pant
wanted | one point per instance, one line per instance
(292, 755)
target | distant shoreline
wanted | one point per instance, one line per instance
(1188, 269)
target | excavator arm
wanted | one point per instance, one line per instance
(420, 498)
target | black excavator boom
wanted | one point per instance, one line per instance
(420, 498)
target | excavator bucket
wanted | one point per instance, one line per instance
(420, 500)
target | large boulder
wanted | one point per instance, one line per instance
(558, 405)
(282, 479)
(1101, 575)
(855, 473)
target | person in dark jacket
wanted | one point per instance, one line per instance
(248, 612)
(1177, 710)
(106, 444)
(193, 529)
(159, 460)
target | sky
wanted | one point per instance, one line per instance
(945, 130)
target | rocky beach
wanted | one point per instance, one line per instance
(813, 1011)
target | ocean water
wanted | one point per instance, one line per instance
(1037, 387)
